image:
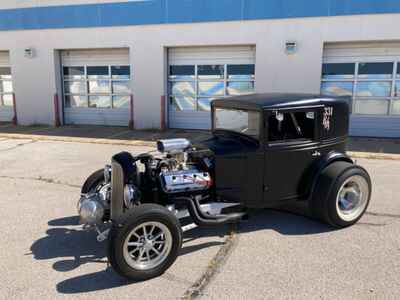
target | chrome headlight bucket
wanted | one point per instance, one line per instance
(90, 209)
(129, 195)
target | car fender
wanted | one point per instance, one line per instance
(324, 162)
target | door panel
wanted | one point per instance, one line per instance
(285, 170)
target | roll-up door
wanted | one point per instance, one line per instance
(6, 88)
(197, 75)
(97, 86)
(370, 73)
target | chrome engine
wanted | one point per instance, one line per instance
(175, 171)
(185, 181)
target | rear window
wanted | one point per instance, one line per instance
(291, 126)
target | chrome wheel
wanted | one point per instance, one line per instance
(147, 245)
(352, 198)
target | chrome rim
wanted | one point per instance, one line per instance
(147, 245)
(104, 191)
(352, 198)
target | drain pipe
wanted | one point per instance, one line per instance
(57, 122)
(131, 123)
(162, 123)
(15, 119)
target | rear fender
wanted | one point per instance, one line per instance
(325, 161)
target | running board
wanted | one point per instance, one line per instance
(201, 218)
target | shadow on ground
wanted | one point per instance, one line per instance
(75, 247)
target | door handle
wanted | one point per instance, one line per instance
(316, 154)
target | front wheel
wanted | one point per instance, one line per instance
(342, 195)
(147, 244)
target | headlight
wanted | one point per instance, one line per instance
(91, 211)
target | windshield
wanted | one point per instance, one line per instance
(241, 121)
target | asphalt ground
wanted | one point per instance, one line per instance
(275, 254)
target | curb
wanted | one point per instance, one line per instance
(121, 142)
(371, 155)
(104, 141)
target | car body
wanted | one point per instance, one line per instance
(266, 150)
(267, 173)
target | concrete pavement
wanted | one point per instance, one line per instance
(273, 255)
(46, 255)
(286, 256)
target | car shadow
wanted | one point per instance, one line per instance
(73, 247)
(287, 221)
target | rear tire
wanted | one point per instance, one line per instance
(342, 194)
(147, 244)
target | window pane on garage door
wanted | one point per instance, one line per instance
(74, 72)
(378, 70)
(100, 101)
(182, 103)
(211, 88)
(5, 73)
(120, 72)
(337, 88)
(181, 72)
(240, 87)
(338, 71)
(98, 72)
(372, 107)
(373, 88)
(75, 87)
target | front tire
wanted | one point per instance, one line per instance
(94, 182)
(147, 243)
(342, 194)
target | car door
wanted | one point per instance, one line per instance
(290, 153)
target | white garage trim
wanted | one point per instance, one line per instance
(96, 98)
(95, 57)
(6, 88)
(376, 98)
(195, 90)
(212, 55)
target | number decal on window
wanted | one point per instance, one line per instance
(326, 120)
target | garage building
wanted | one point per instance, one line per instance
(160, 63)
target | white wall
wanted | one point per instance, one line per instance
(35, 84)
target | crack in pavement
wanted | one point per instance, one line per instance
(42, 179)
(18, 145)
(214, 266)
(375, 214)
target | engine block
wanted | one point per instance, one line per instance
(185, 181)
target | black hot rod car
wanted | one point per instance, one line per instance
(266, 150)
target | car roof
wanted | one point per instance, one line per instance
(279, 101)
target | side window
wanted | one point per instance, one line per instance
(291, 126)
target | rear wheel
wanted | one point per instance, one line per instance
(147, 244)
(342, 194)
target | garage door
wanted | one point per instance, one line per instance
(96, 86)
(6, 88)
(197, 75)
(370, 73)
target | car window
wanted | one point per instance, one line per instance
(291, 126)
(241, 121)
